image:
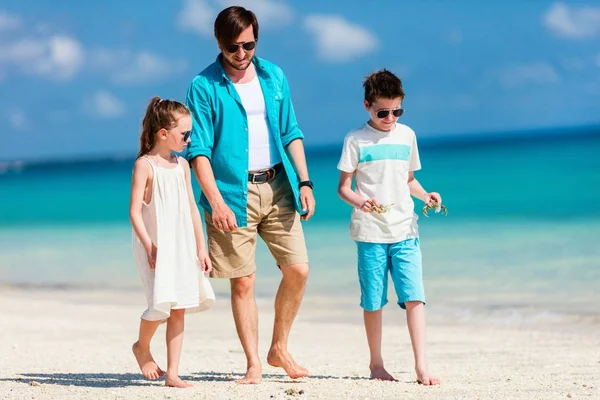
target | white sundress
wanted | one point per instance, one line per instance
(177, 281)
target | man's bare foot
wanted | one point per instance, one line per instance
(283, 359)
(148, 366)
(253, 376)
(425, 379)
(379, 373)
(176, 382)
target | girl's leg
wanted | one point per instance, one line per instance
(373, 326)
(141, 350)
(175, 325)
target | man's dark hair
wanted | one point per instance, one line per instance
(382, 84)
(230, 23)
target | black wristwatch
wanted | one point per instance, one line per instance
(306, 183)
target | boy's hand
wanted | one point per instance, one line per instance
(204, 260)
(433, 196)
(369, 205)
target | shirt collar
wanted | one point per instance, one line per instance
(258, 65)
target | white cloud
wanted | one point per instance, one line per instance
(339, 40)
(269, 13)
(128, 68)
(197, 16)
(18, 119)
(58, 57)
(571, 21)
(538, 73)
(8, 21)
(104, 105)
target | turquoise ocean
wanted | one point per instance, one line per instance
(521, 242)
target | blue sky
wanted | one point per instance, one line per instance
(75, 76)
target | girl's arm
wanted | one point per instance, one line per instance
(141, 172)
(196, 220)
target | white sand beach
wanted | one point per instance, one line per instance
(75, 344)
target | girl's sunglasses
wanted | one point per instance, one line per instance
(187, 136)
(248, 46)
(381, 114)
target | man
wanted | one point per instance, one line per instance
(247, 153)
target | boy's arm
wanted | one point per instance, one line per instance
(417, 191)
(141, 172)
(350, 196)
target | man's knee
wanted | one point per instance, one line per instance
(297, 272)
(242, 287)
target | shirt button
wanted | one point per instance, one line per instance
(246, 129)
(246, 150)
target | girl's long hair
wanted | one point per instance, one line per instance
(160, 114)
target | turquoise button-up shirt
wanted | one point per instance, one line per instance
(220, 130)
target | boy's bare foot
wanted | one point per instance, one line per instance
(425, 379)
(148, 366)
(176, 382)
(253, 376)
(283, 359)
(379, 373)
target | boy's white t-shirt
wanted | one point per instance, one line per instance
(381, 162)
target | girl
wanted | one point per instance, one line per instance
(168, 242)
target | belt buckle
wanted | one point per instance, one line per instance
(254, 179)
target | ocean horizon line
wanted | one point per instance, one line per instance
(469, 139)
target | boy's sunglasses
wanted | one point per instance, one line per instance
(248, 46)
(381, 114)
(187, 136)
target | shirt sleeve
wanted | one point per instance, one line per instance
(415, 162)
(288, 123)
(349, 158)
(202, 137)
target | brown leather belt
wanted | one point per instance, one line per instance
(265, 175)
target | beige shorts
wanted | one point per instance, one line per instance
(272, 215)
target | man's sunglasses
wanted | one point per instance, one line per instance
(248, 46)
(381, 114)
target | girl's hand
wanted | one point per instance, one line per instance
(369, 205)
(204, 260)
(152, 257)
(433, 196)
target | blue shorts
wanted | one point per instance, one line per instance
(402, 260)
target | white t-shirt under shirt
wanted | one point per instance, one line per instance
(381, 162)
(262, 153)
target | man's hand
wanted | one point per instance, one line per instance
(223, 218)
(308, 202)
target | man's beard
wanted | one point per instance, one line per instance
(236, 66)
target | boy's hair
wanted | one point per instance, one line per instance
(230, 23)
(382, 84)
(159, 114)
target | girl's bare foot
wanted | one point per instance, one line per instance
(253, 376)
(379, 373)
(425, 379)
(176, 382)
(148, 366)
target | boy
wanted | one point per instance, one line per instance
(383, 156)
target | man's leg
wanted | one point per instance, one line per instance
(245, 315)
(287, 303)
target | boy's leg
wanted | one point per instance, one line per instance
(372, 275)
(407, 275)
(415, 317)
(175, 325)
(141, 350)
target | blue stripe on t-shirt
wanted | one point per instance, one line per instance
(384, 152)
